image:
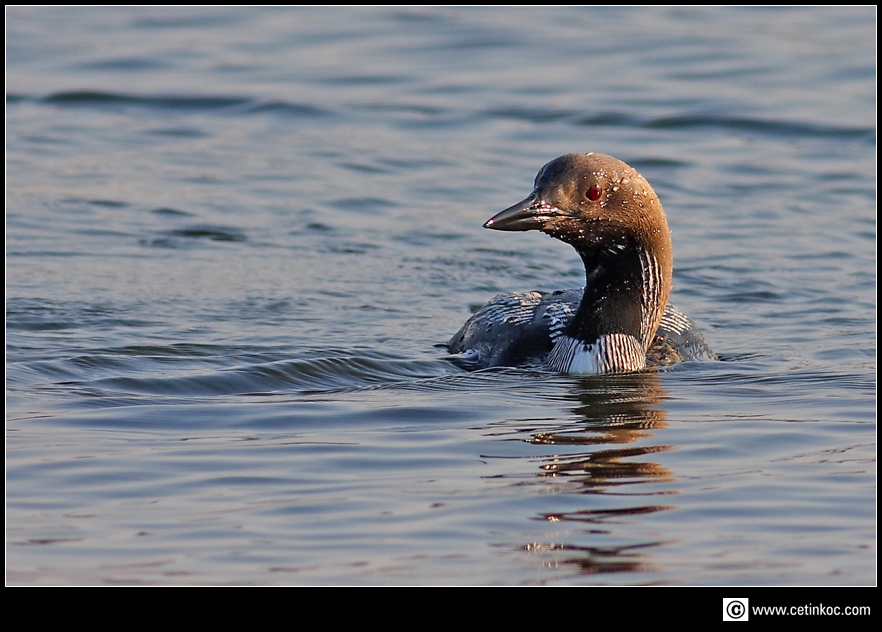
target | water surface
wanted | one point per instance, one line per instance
(235, 239)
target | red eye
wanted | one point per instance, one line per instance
(594, 192)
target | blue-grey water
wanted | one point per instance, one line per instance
(235, 239)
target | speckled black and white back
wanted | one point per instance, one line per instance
(521, 329)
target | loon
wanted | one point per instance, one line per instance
(620, 322)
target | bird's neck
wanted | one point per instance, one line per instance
(625, 296)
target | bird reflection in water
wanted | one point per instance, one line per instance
(606, 452)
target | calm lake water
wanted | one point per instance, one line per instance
(235, 239)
